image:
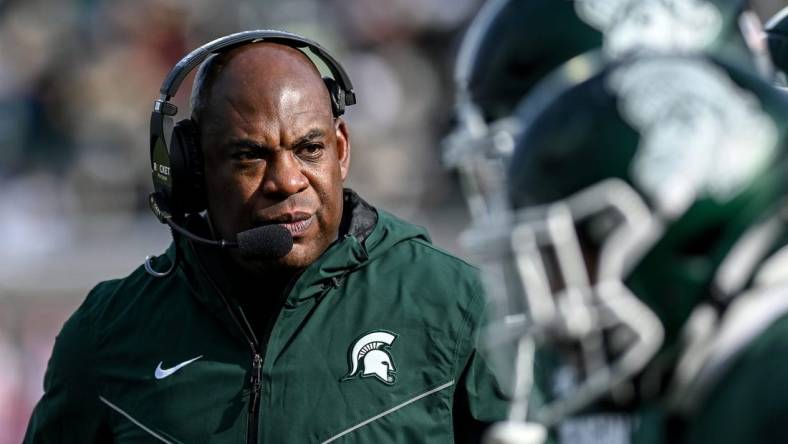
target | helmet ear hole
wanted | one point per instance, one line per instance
(700, 243)
(188, 175)
(337, 96)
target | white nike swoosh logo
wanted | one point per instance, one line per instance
(162, 373)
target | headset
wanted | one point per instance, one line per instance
(176, 156)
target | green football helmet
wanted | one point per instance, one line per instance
(511, 45)
(637, 194)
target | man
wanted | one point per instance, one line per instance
(363, 332)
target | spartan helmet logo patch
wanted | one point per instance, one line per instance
(369, 356)
(662, 25)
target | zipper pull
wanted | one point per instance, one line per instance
(257, 375)
(254, 398)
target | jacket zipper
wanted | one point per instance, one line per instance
(256, 379)
(254, 402)
(257, 359)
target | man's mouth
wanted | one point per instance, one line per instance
(298, 224)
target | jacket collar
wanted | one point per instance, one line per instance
(201, 266)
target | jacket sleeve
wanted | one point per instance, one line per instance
(70, 410)
(478, 401)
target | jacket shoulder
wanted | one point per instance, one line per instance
(115, 299)
(70, 409)
(416, 239)
(106, 294)
(442, 279)
(446, 257)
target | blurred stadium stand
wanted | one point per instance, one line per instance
(77, 80)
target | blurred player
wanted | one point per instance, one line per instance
(623, 262)
(648, 245)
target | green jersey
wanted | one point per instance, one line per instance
(730, 387)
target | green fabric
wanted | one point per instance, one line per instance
(749, 404)
(395, 282)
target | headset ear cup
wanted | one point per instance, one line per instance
(337, 96)
(188, 173)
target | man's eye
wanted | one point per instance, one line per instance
(311, 151)
(245, 155)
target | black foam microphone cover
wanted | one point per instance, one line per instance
(265, 242)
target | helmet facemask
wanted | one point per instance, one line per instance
(478, 151)
(560, 285)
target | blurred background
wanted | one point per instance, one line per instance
(77, 82)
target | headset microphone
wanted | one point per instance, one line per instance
(267, 242)
(264, 242)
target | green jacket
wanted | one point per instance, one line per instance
(375, 342)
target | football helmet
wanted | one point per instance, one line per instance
(511, 45)
(636, 192)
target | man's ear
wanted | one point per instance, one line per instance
(343, 147)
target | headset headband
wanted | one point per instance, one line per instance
(179, 72)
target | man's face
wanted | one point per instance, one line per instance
(274, 153)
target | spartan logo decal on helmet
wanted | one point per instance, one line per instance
(678, 103)
(685, 25)
(370, 356)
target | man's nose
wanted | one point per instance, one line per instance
(283, 175)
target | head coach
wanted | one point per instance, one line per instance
(287, 309)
